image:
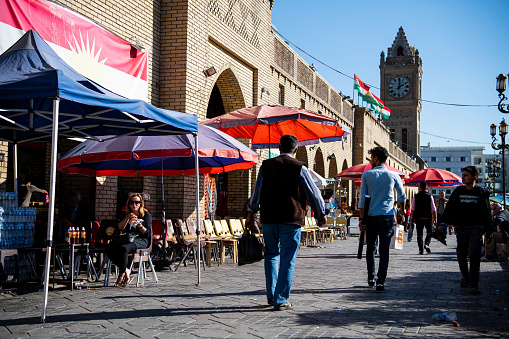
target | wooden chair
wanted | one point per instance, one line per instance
(227, 240)
(328, 229)
(184, 244)
(340, 228)
(208, 244)
(236, 227)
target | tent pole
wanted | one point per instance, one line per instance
(15, 149)
(163, 211)
(51, 208)
(197, 169)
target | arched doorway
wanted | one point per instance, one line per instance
(333, 166)
(319, 166)
(227, 96)
(302, 155)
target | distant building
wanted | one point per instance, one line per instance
(454, 159)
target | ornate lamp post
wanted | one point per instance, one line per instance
(493, 172)
(502, 131)
(501, 89)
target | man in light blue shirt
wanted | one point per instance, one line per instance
(379, 183)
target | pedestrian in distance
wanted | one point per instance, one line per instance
(423, 215)
(282, 188)
(440, 204)
(469, 211)
(379, 183)
(500, 232)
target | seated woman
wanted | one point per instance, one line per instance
(137, 229)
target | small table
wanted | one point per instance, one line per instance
(74, 262)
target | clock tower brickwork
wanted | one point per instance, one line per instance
(400, 88)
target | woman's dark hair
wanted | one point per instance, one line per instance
(379, 152)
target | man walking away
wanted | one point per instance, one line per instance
(469, 210)
(500, 231)
(440, 204)
(282, 188)
(379, 184)
(423, 214)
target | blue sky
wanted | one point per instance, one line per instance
(463, 45)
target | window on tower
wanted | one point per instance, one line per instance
(400, 52)
(404, 139)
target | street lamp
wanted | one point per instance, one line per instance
(493, 172)
(502, 131)
(501, 89)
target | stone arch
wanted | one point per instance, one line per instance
(346, 187)
(333, 167)
(302, 155)
(226, 94)
(319, 166)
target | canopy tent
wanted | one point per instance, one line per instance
(42, 98)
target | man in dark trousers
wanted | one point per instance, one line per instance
(440, 204)
(469, 210)
(282, 188)
(379, 183)
(423, 214)
(76, 210)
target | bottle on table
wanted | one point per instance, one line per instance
(83, 235)
(77, 235)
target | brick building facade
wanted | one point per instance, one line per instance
(253, 67)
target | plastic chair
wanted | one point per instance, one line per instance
(353, 229)
(142, 253)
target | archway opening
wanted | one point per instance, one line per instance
(226, 96)
(319, 166)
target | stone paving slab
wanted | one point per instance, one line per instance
(330, 296)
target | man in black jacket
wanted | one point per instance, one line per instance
(469, 210)
(423, 215)
(282, 188)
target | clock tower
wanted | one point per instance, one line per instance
(400, 88)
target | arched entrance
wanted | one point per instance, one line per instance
(333, 166)
(319, 166)
(226, 95)
(302, 155)
(233, 187)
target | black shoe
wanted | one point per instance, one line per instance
(426, 247)
(371, 282)
(380, 288)
(474, 291)
(270, 301)
(283, 307)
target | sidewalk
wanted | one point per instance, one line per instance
(330, 297)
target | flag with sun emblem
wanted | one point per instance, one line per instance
(118, 65)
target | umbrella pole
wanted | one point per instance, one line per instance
(269, 140)
(196, 162)
(163, 211)
(51, 210)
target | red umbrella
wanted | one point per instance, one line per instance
(266, 124)
(355, 172)
(434, 177)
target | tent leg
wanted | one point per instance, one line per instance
(196, 165)
(15, 148)
(51, 209)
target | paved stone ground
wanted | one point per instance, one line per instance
(330, 296)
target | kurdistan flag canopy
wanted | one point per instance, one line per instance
(90, 49)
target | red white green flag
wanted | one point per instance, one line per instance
(361, 87)
(384, 111)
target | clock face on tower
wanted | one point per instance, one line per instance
(399, 87)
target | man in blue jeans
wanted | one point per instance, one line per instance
(282, 188)
(379, 184)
